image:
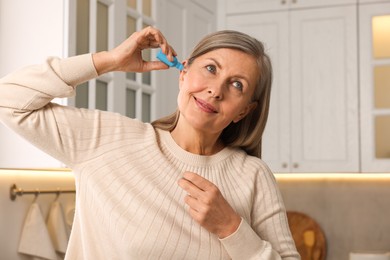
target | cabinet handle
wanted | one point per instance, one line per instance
(283, 2)
(295, 165)
(294, 1)
(284, 165)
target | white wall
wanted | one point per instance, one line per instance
(29, 32)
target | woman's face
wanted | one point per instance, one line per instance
(217, 88)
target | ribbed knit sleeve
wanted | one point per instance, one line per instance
(245, 243)
(33, 87)
(25, 97)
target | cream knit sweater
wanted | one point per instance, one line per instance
(128, 203)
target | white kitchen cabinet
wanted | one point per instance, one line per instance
(313, 121)
(324, 93)
(272, 29)
(188, 22)
(374, 51)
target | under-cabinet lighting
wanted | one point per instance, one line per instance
(332, 176)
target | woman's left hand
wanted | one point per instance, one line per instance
(208, 207)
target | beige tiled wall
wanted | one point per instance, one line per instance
(353, 213)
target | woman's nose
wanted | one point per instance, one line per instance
(216, 92)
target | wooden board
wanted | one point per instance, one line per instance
(308, 236)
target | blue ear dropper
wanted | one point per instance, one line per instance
(175, 63)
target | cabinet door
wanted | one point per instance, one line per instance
(183, 23)
(200, 22)
(272, 30)
(174, 29)
(374, 24)
(324, 90)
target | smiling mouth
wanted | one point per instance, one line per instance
(204, 106)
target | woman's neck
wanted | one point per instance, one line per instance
(196, 142)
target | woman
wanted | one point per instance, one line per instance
(189, 186)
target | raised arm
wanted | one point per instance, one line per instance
(26, 95)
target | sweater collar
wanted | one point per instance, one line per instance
(171, 148)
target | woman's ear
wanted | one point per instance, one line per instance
(184, 71)
(250, 107)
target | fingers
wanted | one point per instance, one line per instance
(207, 206)
(197, 186)
(196, 199)
(151, 37)
(127, 56)
(198, 180)
(154, 65)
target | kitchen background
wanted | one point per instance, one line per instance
(327, 139)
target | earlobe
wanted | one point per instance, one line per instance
(239, 117)
(250, 107)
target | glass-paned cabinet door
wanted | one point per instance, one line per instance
(139, 86)
(382, 137)
(146, 104)
(130, 104)
(375, 86)
(381, 52)
(101, 25)
(92, 35)
(382, 86)
(131, 27)
(147, 55)
(380, 36)
(101, 95)
(147, 8)
(132, 4)
(147, 76)
(82, 95)
(82, 46)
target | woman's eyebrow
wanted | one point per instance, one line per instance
(216, 62)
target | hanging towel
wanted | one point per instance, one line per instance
(57, 227)
(69, 217)
(35, 239)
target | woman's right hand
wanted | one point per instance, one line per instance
(128, 55)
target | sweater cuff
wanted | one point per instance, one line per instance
(244, 243)
(75, 70)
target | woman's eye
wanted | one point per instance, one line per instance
(237, 85)
(211, 68)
